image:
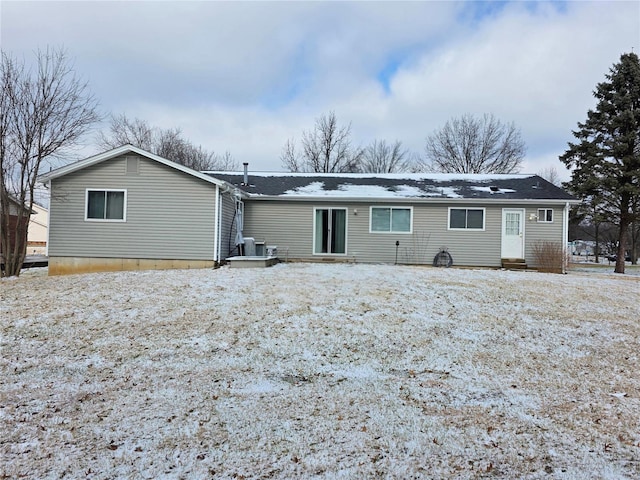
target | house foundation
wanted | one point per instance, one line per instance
(72, 265)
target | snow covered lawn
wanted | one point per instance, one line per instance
(327, 371)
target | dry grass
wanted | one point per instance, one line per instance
(549, 256)
(331, 371)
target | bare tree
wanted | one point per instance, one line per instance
(475, 145)
(123, 131)
(381, 157)
(290, 159)
(325, 149)
(42, 113)
(167, 143)
(550, 174)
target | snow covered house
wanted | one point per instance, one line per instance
(128, 209)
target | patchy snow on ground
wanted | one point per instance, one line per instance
(320, 371)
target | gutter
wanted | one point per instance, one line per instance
(565, 235)
(413, 200)
(46, 248)
(216, 226)
(217, 247)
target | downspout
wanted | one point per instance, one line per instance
(565, 237)
(46, 248)
(220, 208)
(216, 227)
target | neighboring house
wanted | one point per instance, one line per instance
(582, 247)
(481, 220)
(129, 209)
(38, 230)
(14, 208)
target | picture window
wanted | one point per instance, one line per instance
(391, 219)
(466, 218)
(106, 205)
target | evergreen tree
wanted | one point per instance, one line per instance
(606, 160)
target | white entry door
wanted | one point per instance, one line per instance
(512, 233)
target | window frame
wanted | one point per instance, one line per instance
(544, 218)
(391, 208)
(105, 220)
(467, 229)
(330, 245)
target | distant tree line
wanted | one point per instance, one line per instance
(167, 143)
(468, 144)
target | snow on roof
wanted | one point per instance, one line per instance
(438, 177)
(316, 189)
(492, 190)
(398, 186)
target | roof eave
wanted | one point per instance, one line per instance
(333, 199)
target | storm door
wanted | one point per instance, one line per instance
(512, 233)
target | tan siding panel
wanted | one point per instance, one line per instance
(289, 225)
(538, 231)
(169, 214)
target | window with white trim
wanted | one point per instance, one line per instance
(466, 218)
(545, 215)
(390, 220)
(106, 205)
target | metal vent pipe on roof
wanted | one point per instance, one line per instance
(246, 173)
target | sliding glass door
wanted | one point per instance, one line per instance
(330, 231)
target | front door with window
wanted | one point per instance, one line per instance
(512, 233)
(330, 231)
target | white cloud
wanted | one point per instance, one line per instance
(244, 77)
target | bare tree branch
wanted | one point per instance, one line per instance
(550, 174)
(123, 131)
(325, 149)
(381, 157)
(475, 145)
(43, 113)
(289, 157)
(167, 143)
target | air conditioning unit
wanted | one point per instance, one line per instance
(260, 249)
(272, 250)
(249, 246)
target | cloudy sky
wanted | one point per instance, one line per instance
(246, 76)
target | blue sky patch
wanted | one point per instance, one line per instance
(387, 72)
(475, 13)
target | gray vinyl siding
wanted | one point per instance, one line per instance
(170, 214)
(537, 231)
(228, 227)
(289, 225)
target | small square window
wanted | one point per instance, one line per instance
(545, 215)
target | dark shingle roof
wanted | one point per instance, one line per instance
(389, 186)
